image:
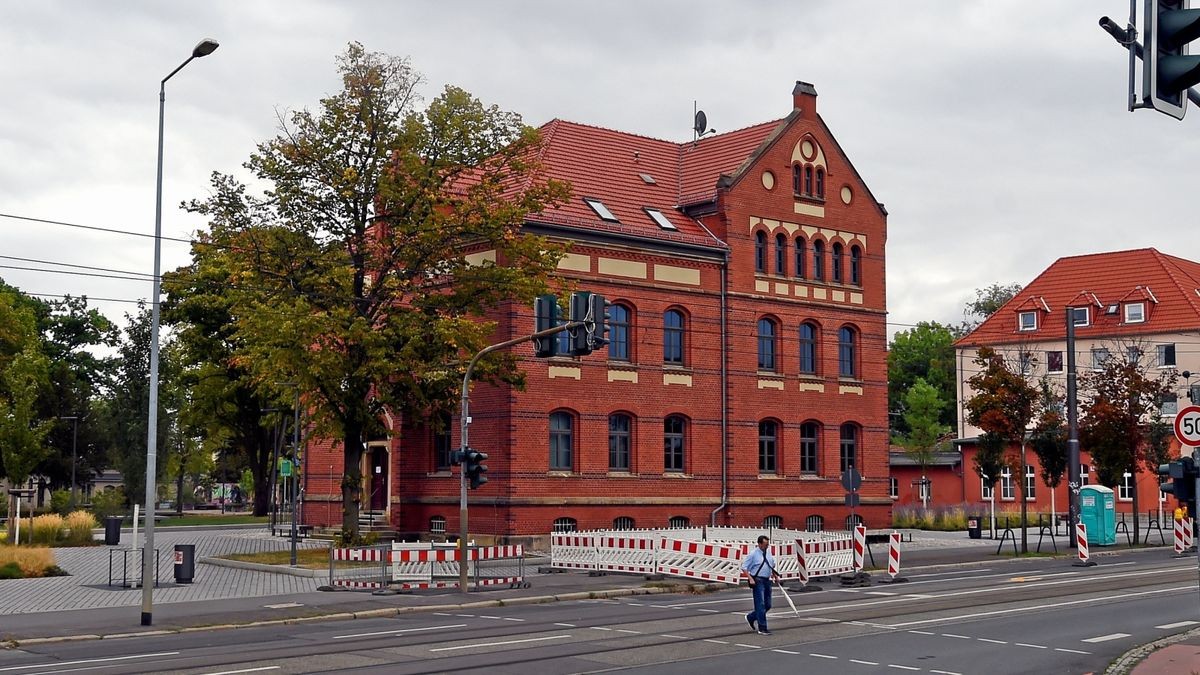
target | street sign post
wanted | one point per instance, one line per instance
(852, 481)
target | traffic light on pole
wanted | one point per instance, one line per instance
(1168, 69)
(546, 315)
(580, 305)
(596, 322)
(1183, 484)
(474, 467)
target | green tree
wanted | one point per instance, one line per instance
(1003, 405)
(1049, 436)
(923, 352)
(351, 277)
(1119, 409)
(23, 373)
(987, 301)
(922, 416)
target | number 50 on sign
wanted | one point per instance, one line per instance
(1187, 426)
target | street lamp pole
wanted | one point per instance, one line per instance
(74, 443)
(203, 48)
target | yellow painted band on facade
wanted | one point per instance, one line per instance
(621, 268)
(572, 372)
(801, 291)
(576, 262)
(847, 389)
(770, 384)
(781, 288)
(677, 378)
(623, 376)
(819, 293)
(839, 296)
(809, 210)
(677, 275)
(479, 258)
(856, 298)
(762, 286)
(812, 386)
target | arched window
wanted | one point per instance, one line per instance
(766, 345)
(818, 271)
(565, 525)
(679, 521)
(618, 442)
(673, 337)
(623, 523)
(847, 358)
(760, 251)
(809, 444)
(801, 252)
(808, 349)
(814, 523)
(835, 262)
(768, 437)
(808, 171)
(437, 525)
(618, 333)
(853, 521)
(561, 441)
(781, 254)
(796, 178)
(820, 182)
(674, 440)
(856, 266)
(773, 522)
(849, 446)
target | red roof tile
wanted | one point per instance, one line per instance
(1170, 286)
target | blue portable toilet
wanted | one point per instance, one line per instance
(1098, 513)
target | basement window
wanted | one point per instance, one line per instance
(658, 217)
(600, 209)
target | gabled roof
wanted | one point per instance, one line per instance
(609, 165)
(1170, 286)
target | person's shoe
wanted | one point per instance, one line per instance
(750, 620)
(765, 632)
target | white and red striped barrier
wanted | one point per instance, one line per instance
(824, 558)
(1188, 532)
(419, 568)
(860, 546)
(894, 554)
(358, 554)
(635, 554)
(573, 551)
(1178, 537)
(700, 560)
(1081, 542)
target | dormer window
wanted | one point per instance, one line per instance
(600, 209)
(1027, 320)
(1135, 312)
(1080, 316)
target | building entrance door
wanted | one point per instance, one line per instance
(379, 478)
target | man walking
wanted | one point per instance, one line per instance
(759, 569)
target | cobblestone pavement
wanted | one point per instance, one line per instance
(89, 584)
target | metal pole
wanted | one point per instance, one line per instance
(295, 451)
(1073, 478)
(204, 48)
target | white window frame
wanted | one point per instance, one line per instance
(1061, 360)
(985, 490)
(1169, 406)
(600, 209)
(1084, 472)
(925, 489)
(1029, 325)
(1087, 316)
(1030, 484)
(1025, 361)
(1125, 489)
(1160, 352)
(893, 487)
(1135, 312)
(1007, 489)
(1099, 356)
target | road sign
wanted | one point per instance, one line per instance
(1187, 425)
(852, 479)
(852, 499)
(285, 467)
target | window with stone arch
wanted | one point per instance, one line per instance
(809, 350)
(781, 254)
(818, 258)
(820, 182)
(814, 524)
(848, 352)
(760, 252)
(565, 524)
(562, 428)
(835, 262)
(801, 252)
(855, 265)
(620, 322)
(809, 170)
(768, 335)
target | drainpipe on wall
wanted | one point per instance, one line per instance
(724, 398)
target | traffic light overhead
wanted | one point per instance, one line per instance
(1168, 69)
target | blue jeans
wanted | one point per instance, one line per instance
(762, 601)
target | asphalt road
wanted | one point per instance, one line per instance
(1034, 616)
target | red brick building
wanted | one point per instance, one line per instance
(747, 362)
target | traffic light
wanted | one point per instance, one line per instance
(546, 316)
(1183, 484)
(456, 457)
(474, 467)
(1168, 69)
(596, 323)
(581, 345)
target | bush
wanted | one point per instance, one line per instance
(30, 561)
(60, 502)
(48, 529)
(942, 518)
(108, 503)
(79, 526)
(11, 571)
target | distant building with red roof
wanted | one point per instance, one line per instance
(1140, 304)
(747, 363)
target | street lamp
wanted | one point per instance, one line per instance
(74, 442)
(203, 48)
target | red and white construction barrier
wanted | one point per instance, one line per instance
(636, 554)
(700, 560)
(824, 558)
(894, 554)
(573, 551)
(1188, 532)
(1081, 542)
(860, 546)
(413, 568)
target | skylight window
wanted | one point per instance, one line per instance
(601, 210)
(647, 179)
(658, 217)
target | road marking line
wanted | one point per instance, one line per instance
(995, 642)
(485, 616)
(246, 670)
(1106, 638)
(917, 596)
(717, 642)
(1026, 644)
(600, 628)
(865, 663)
(677, 637)
(661, 606)
(1178, 624)
(976, 615)
(1070, 651)
(823, 656)
(284, 605)
(634, 604)
(565, 625)
(468, 616)
(442, 614)
(922, 632)
(399, 631)
(894, 665)
(739, 644)
(784, 651)
(879, 593)
(58, 664)
(509, 618)
(626, 630)
(945, 672)
(711, 611)
(955, 635)
(497, 644)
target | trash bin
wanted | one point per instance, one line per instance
(975, 527)
(185, 563)
(112, 530)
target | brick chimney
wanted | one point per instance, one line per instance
(804, 99)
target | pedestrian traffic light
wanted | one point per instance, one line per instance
(474, 467)
(1183, 484)
(546, 315)
(580, 305)
(456, 457)
(596, 322)
(1168, 69)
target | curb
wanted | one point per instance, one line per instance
(1127, 662)
(380, 613)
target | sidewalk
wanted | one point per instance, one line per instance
(84, 606)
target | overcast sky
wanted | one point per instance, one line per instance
(996, 133)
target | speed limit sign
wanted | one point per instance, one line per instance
(1187, 426)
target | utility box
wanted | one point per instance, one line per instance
(1098, 513)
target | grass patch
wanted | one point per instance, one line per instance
(27, 561)
(306, 557)
(217, 519)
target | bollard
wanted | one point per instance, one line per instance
(860, 543)
(1081, 543)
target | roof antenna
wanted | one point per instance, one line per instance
(700, 127)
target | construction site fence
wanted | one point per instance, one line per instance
(424, 565)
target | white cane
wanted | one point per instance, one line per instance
(789, 599)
